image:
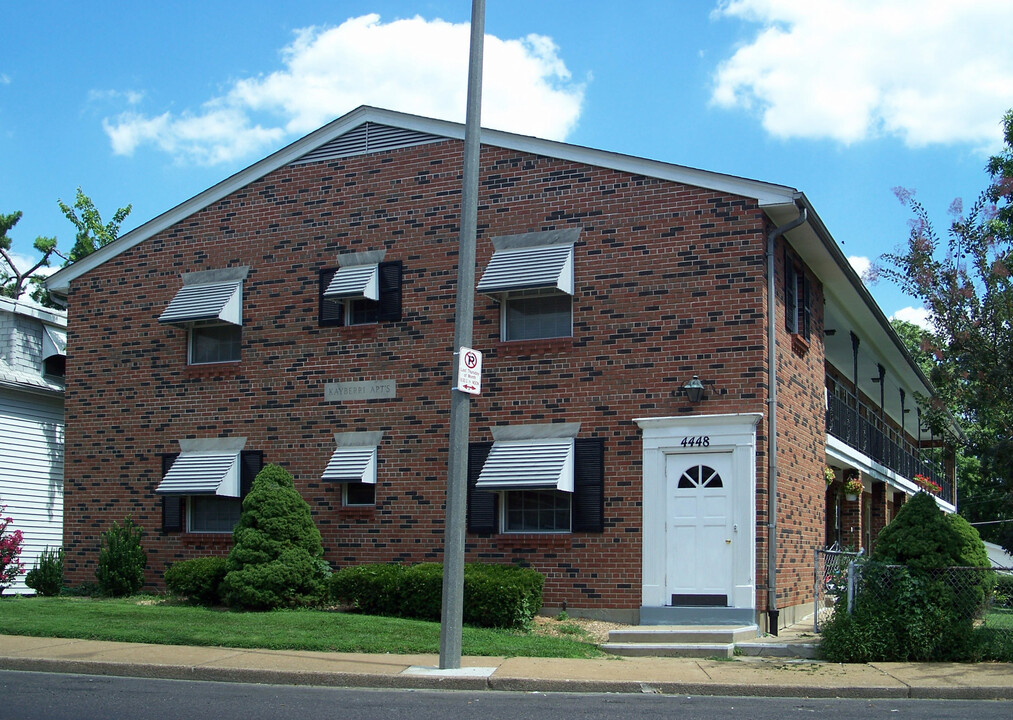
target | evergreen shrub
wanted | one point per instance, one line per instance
(494, 595)
(121, 560)
(46, 578)
(197, 580)
(277, 555)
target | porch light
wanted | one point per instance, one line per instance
(694, 390)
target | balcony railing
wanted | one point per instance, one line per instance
(849, 421)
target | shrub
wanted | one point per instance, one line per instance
(46, 578)
(277, 556)
(910, 607)
(10, 550)
(121, 561)
(494, 595)
(197, 580)
(371, 589)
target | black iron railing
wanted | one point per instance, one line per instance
(852, 423)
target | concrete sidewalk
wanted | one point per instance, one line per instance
(743, 676)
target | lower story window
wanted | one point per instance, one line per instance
(536, 511)
(215, 343)
(359, 493)
(534, 315)
(213, 513)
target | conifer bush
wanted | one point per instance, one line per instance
(277, 554)
(46, 578)
(121, 560)
(197, 580)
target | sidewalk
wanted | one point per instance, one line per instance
(751, 676)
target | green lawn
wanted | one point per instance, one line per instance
(156, 620)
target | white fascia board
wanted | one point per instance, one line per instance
(764, 193)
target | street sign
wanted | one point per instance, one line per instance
(469, 371)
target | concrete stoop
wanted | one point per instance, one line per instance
(702, 641)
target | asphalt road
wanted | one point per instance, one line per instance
(47, 696)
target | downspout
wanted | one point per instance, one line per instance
(772, 611)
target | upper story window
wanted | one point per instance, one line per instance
(531, 276)
(361, 291)
(797, 296)
(210, 307)
(54, 352)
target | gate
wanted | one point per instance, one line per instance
(830, 580)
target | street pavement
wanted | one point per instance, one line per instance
(741, 676)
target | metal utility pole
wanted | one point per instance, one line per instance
(460, 402)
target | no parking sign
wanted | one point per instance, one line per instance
(469, 371)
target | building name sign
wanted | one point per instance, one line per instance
(365, 390)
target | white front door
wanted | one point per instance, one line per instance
(700, 534)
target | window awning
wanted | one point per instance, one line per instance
(202, 474)
(529, 464)
(352, 464)
(54, 342)
(355, 281)
(529, 268)
(215, 301)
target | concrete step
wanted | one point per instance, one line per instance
(694, 650)
(684, 634)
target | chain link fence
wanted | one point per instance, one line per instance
(982, 595)
(830, 581)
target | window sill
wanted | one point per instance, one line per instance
(357, 332)
(545, 346)
(799, 344)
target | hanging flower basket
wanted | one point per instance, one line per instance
(852, 488)
(928, 485)
(828, 475)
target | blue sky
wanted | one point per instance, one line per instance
(151, 103)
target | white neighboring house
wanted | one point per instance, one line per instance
(33, 354)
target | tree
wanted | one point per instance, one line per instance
(277, 556)
(91, 232)
(13, 280)
(964, 280)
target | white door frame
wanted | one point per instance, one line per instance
(733, 433)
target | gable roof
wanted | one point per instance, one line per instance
(369, 129)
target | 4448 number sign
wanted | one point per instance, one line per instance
(696, 441)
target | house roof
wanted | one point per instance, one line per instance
(849, 303)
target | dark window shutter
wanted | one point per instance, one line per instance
(251, 462)
(332, 312)
(790, 294)
(172, 505)
(589, 485)
(807, 307)
(481, 503)
(390, 291)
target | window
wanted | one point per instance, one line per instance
(536, 511)
(531, 276)
(533, 489)
(797, 297)
(360, 294)
(209, 308)
(55, 366)
(54, 352)
(215, 343)
(353, 464)
(539, 314)
(203, 487)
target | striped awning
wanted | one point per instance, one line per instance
(216, 301)
(202, 474)
(352, 464)
(529, 268)
(355, 281)
(529, 464)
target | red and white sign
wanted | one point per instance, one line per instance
(469, 371)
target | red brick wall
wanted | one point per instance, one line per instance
(669, 282)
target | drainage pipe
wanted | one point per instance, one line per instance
(772, 611)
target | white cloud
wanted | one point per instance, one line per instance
(413, 65)
(915, 315)
(927, 71)
(5, 79)
(861, 265)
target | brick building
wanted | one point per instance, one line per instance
(301, 312)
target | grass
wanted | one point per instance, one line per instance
(159, 621)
